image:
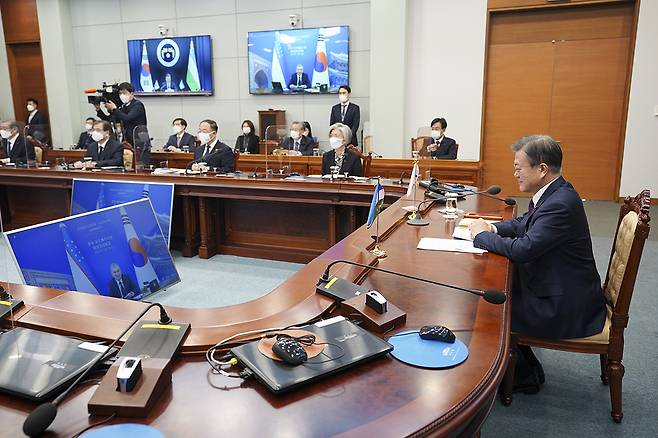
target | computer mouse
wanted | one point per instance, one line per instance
(290, 351)
(436, 333)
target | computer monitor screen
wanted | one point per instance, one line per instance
(116, 251)
(89, 195)
(171, 66)
(303, 61)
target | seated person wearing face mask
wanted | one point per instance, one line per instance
(119, 135)
(340, 136)
(213, 152)
(442, 147)
(179, 140)
(298, 142)
(14, 148)
(85, 136)
(248, 141)
(106, 151)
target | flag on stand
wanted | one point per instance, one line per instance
(376, 204)
(145, 79)
(413, 180)
(192, 77)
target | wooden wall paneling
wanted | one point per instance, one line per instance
(519, 78)
(20, 21)
(587, 112)
(27, 78)
(537, 4)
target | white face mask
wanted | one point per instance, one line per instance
(343, 98)
(5, 134)
(294, 135)
(97, 136)
(89, 126)
(125, 98)
(176, 129)
(203, 137)
(30, 107)
(436, 134)
(246, 130)
(335, 142)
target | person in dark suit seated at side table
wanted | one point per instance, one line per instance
(556, 288)
(296, 141)
(440, 146)
(347, 161)
(180, 140)
(213, 152)
(121, 285)
(85, 136)
(299, 80)
(248, 142)
(346, 112)
(15, 148)
(106, 151)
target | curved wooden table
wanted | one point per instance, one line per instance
(380, 398)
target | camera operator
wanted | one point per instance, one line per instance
(131, 114)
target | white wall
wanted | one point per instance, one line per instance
(6, 102)
(641, 145)
(101, 55)
(445, 69)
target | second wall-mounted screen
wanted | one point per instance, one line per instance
(298, 61)
(171, 66)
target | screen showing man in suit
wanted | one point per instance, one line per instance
(556, 286)
(441, 147)
(299, 80)
(346, 112)
(121, 285)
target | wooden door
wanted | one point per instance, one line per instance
(27, 78)
(563, 72)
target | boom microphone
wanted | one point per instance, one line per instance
(42, 417)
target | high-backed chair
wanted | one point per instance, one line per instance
(632, 231)
(366, 163)
(38, 154)
(236, 158)
(128, 156)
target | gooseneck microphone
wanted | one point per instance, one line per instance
(401, 180)
(40, 418)
(490, 296)
(255, 174)
(493, 190)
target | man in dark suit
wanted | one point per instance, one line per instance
(299, 80)
(36, 125)
(179, 139)
(440, 146)
(122, 286)
(85, 136)
(213, 152)
(556, 289)
(298, 142)
(346, 112)
(105, 151)
(15, 148)
(131, 113)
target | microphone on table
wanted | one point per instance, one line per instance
(401, 181)
(341, 290)
(375, 154)
(493, 190)
(255, 174)
(44, 414)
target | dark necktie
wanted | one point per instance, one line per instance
(531, 206)
(9, 147)
(100, 151)
(206, 150)
(343, 110)
(121, 289)
(299, 80)
(297, 145)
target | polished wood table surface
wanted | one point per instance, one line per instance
(380, 398)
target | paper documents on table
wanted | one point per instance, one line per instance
(462, 231)
(450, 245)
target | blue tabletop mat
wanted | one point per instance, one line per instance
(124, 431)
(411, 349)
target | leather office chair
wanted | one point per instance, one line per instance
(128, 156)
(632, 231)
(236, 158)
(38, 154)
(366, 163)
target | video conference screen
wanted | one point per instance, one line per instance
(89, 195)
(171, 66)
(117, 251)
(276, 57)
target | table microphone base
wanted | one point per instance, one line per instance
(417, 220)
(378, 252)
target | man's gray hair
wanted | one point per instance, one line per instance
(344, 129)
(541, 149)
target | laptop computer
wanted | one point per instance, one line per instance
(277, 88)
(38, 365)
(348, 345)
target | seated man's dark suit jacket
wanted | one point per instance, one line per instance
(112, 154)
(130, 290)
(306, 145)
(447, 149)
(21, 152)
(219, 157)
(556, 289)
(187, 139)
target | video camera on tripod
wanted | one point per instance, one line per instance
(104, 94)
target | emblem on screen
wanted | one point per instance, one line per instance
(168, 52)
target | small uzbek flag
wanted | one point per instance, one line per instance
(376, 204)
